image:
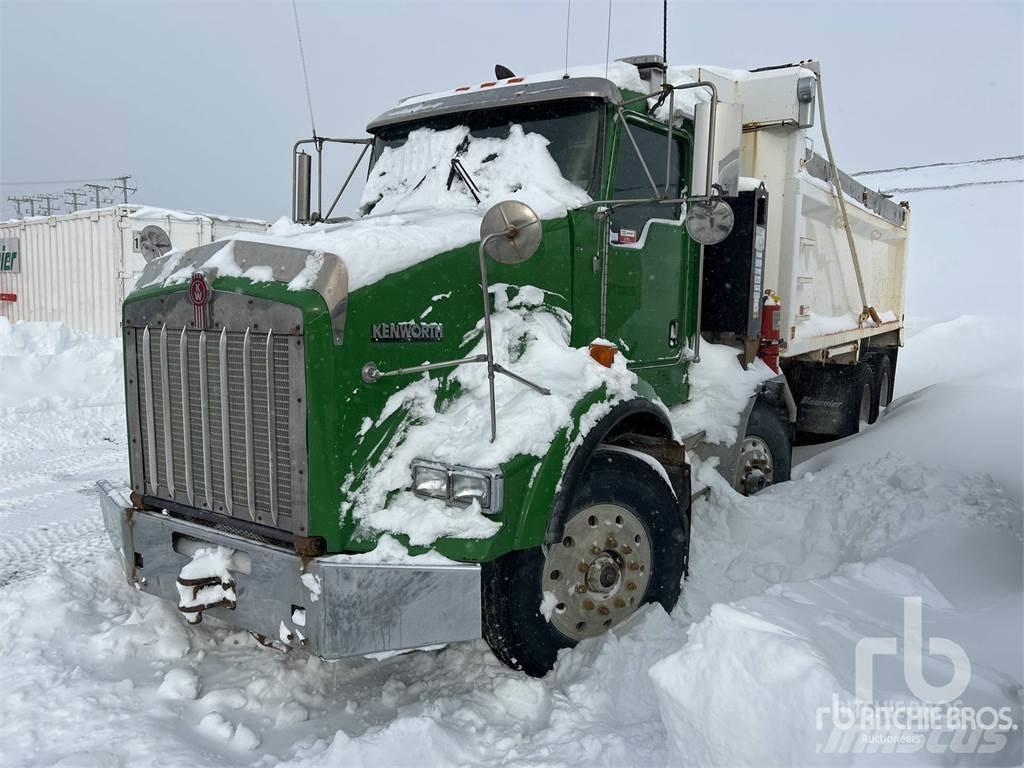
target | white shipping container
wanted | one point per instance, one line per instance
(77, 268)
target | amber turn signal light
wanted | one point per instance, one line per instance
(603, 354)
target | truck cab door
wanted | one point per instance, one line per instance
(647, 268)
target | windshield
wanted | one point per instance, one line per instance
(572, 129)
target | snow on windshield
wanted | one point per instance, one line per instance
(415, 215)
(418, 174)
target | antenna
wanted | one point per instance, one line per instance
(568, 14)
(305, 74)
(608, 40)
(664, 33)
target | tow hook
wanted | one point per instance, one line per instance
(207, 592)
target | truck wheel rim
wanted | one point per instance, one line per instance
(599, 571)
(757, 470)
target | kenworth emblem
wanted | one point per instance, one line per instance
(199, 295)
(408, 332)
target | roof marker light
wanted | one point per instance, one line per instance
(515, 80)
(462, 88)
(488, 85)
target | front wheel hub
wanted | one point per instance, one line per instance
(599, 571)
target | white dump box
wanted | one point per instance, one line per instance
(77, 268)
(763, 136)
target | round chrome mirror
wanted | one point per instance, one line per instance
(709, 222)
(514, 232)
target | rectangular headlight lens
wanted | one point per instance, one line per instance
(430, 481)
(467, 486)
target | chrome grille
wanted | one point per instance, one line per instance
(214, 425)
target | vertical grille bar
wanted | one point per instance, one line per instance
(165, 400)
(250, 480)
(225, 419)
(271, 422)
(204, 410)
(147, 368)
(186, 416)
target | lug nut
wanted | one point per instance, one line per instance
(620, 603)
(588, 604)
(612, 543)
(580, 589)
(595, 550)
(631, 586)
(603, 610)
(634, 566)
(626, 549)
(582, 567)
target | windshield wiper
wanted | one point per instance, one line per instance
(458, 169)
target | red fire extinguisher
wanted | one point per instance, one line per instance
(771, 335)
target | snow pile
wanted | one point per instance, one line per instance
(720, 390)
(737, 668)
(48, 365)
(977, 344)
(530, 339)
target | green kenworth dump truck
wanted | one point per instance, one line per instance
(466, 412)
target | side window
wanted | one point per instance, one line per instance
(632, 183)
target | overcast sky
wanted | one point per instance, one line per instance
(201, 101)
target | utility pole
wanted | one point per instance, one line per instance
(123, 186)
(18, 201)
(47, 200)
(96, 191)
(74, 194)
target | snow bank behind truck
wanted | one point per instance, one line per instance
(471, 410)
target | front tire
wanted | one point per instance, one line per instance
(621, 546)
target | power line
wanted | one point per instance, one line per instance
(48, 182)
(904, 190)
(981, 161)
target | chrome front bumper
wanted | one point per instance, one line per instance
(361, 607)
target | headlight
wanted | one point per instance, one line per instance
(458, 485)
(430, 480)
(467, 486)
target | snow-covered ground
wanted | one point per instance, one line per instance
(925, 503)
(783, 586)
